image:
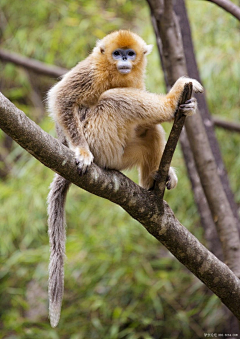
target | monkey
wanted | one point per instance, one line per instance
(103, 113)
(118, 60)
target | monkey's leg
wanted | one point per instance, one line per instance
(57, 235)
(153, 140)
(154, 143)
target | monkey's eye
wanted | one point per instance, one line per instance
(116, 53)
(131, 54)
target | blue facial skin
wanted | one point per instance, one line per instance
(124, 58)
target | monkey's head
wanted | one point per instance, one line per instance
(123, 53)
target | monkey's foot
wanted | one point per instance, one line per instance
(189, 107)
(84, 158)
(171, 182)
(172, 179)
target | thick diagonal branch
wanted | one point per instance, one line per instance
(139, 203)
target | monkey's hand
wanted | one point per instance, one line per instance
(84, 158)
(176, 92)
(189, 107)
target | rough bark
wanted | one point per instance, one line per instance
(142, 205)
(175, 66)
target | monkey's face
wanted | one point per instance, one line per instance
(124, 59)
(122, 53)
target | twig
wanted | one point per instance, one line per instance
(32, 64)
(229, 6)
(231, 126)
(170, 147)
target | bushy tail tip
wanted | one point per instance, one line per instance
(54, 314)
(57, 237)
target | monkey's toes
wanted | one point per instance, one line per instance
(168, 182)
(172, 179)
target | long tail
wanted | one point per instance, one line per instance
(57, 236)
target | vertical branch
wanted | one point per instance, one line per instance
(207, 222)
(193, 72)
(175, 66)
(171, 144)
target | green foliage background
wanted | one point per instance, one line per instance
(120, 282)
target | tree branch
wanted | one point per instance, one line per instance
(228, 125)
(229, 6)
(211, 236)
(139, 203)
(32, 64)
(171, 144)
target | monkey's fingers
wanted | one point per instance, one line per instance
(81, 167)
(83, 160)
(189, 107)
(197, 87)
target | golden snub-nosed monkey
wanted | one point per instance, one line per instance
(104, 114)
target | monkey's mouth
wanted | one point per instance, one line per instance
(124, 69)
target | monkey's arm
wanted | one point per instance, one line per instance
(131, 105)
(73, 129)
(67, 115)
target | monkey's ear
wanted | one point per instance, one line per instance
(101, 46)
(148, 49)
